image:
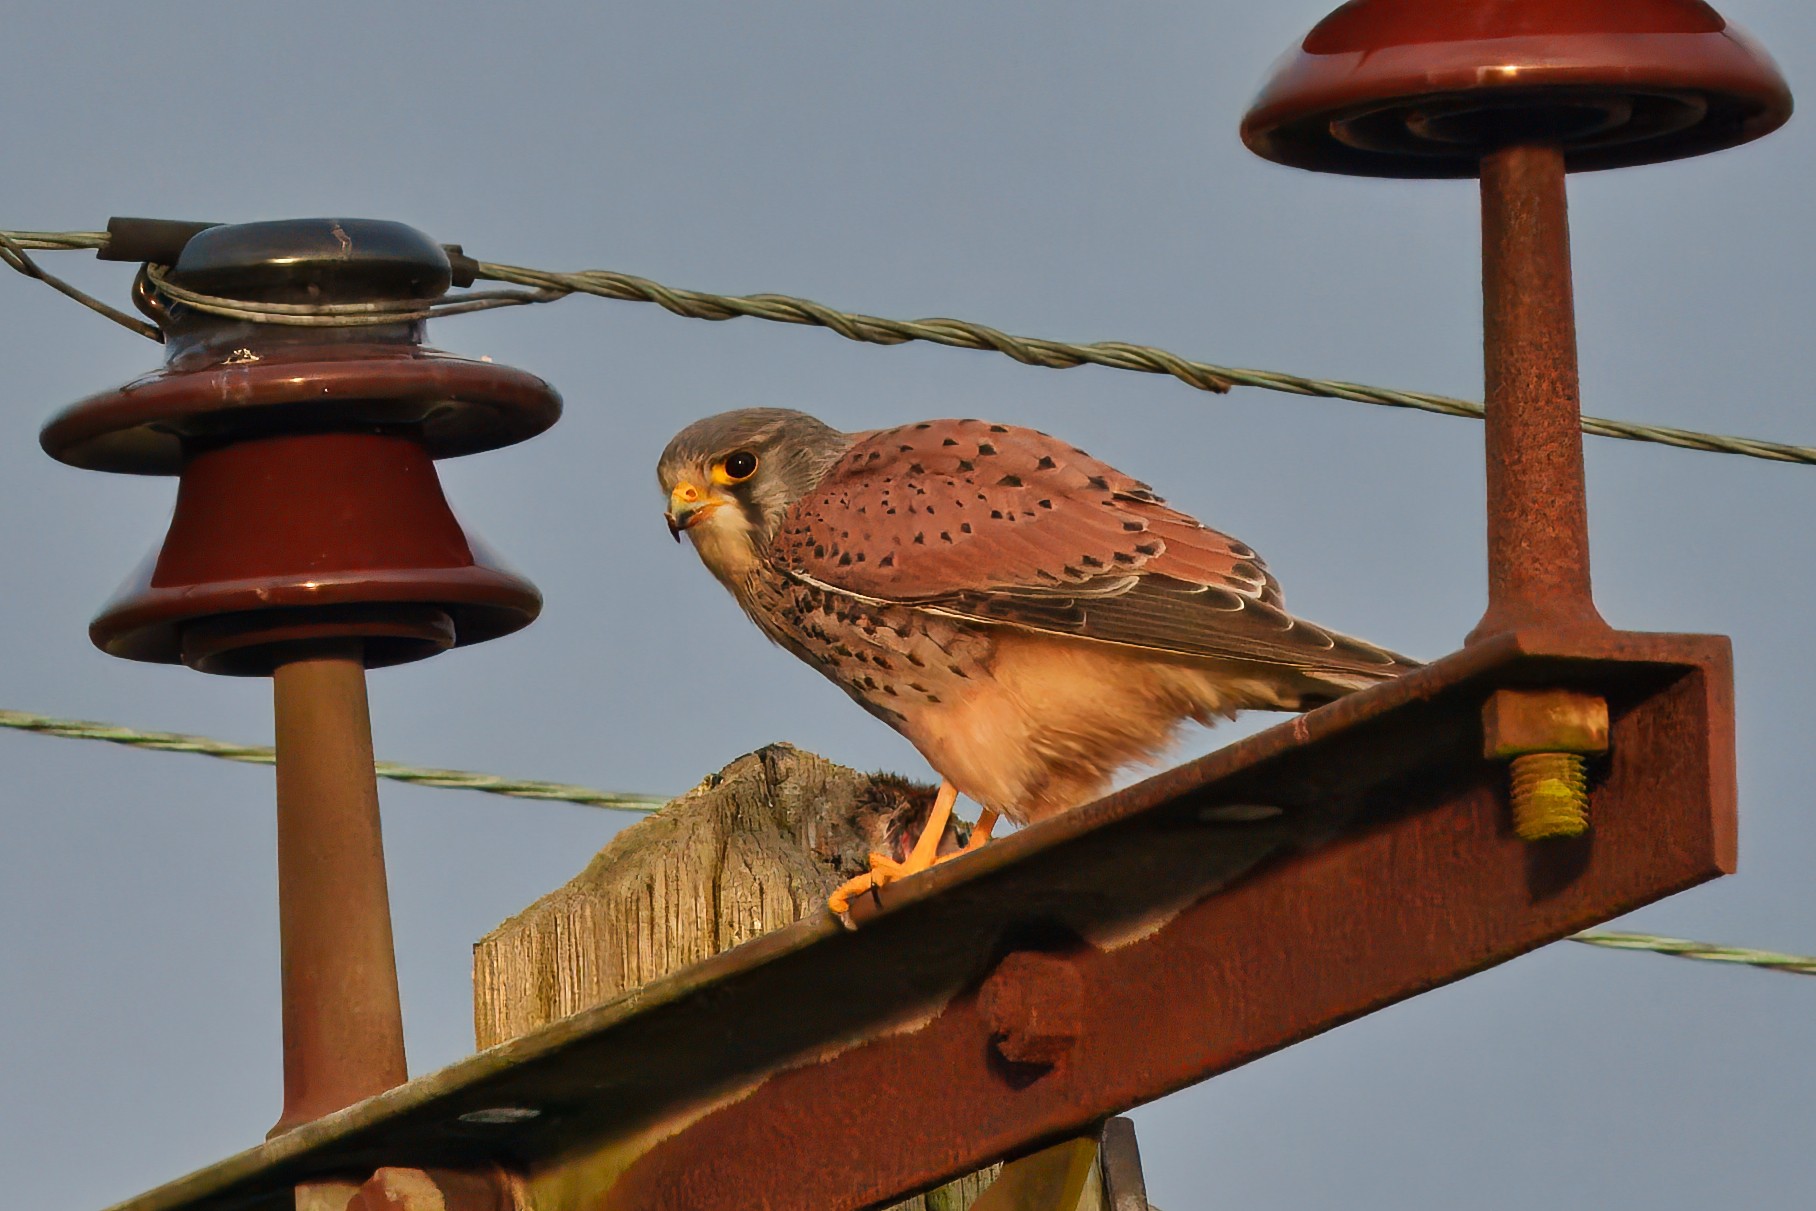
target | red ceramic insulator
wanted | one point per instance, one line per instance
(454, 405)
(308, 510)
(1424, 88)
(312, 534)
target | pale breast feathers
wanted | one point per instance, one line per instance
(1008, 525)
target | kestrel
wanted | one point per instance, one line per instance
(1030, 618)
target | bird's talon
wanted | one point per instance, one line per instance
(840, 901)
(883, 871)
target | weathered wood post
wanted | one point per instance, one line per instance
(757, 846)
(754, 847)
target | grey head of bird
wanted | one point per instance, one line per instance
(730, 479)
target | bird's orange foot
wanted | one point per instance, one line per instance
(885, 870)
(980, 834)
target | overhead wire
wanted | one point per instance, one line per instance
(564, 792)
(547, 286)
(261, 754)
(1708, 952)
(13, 252)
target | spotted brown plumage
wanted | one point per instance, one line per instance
(1029, 617)
(1008, 525)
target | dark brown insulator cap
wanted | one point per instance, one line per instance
(314, 260)
(230, 379)
(1423, 88)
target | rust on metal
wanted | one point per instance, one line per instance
(1547, 736)
(394, 1188)
(1543, 721)
(1032, 1004)
(1519, 94)
(1538, 521)
(753, 1078)
(1293, 881)
(398, 1189)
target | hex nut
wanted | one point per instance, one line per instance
(1033, 1004)
(1517, 722)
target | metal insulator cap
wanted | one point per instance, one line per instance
(1409, 88)
(228, 379)
(314, 261)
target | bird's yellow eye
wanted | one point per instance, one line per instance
(735, 467)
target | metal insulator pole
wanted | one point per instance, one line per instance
(343, 1026)
(1538, 526)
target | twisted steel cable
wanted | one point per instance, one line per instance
(525, 788)
(13, 252)
(546, 286)
(1708, 952)
(259, 754)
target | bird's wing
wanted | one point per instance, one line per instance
(1007, 525)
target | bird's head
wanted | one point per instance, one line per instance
(731, 477)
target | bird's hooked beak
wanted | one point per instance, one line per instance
(687, 507)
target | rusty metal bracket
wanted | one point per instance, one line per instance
(1200, 933)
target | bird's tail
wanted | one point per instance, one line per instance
(1351, 664)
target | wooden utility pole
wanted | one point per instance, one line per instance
(756, 846)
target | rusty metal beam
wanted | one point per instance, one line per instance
(1293, 881)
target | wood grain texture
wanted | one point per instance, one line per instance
(754, 847)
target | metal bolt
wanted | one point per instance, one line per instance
(1546, 735)
(1550, 796)
(397, 1189)
(1034, 1006)
(488, 1188)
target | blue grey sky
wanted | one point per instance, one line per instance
(1068, 170)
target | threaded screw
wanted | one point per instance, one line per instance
(1546, 737)
(1550, 796)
